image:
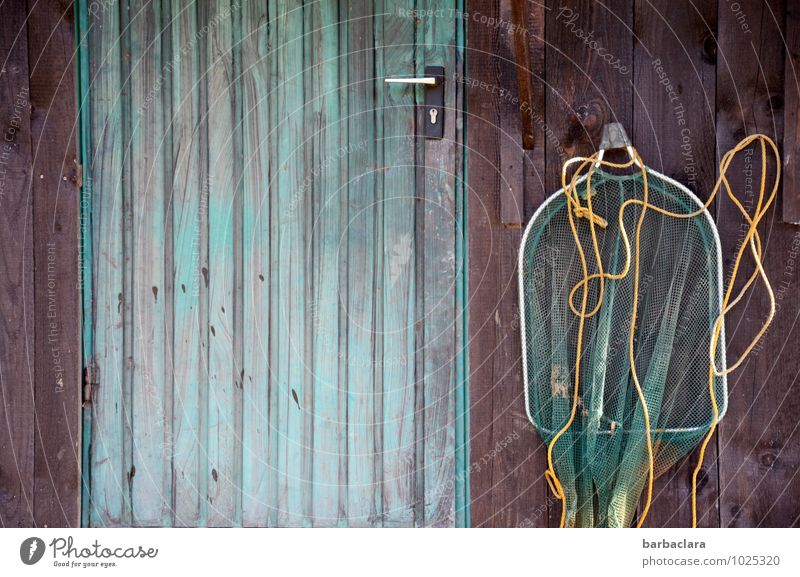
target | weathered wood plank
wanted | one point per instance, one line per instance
(256, 61)
(522, 58)
(586, 88)
(290, 305)
(150, 473)
(791, 142)
(508, 437)
(673, 130)
(758, 481)
(16, 277)
(362, 433)
(328, 210)
(109, 463)
(51, 47)
(439, 269)
(275, 397)
(396, 156)
(224, 380)
(189, 230)
(506, 479)
(511, 73)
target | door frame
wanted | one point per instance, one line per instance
(461, 360)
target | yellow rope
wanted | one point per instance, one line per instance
(752, 239)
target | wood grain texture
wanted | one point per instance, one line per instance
(363, 433)
(726, 65)
(189, 203)
(51, 47)
(758, 469)
(278, 203)
(514, 134)
(506, 461)
(439, 270)
(673, 130)
(109, 502)
(257, 273)
(399, 277)
(150, 476)
(17, 276)
(224, 379)
(791, 162)
(522, 56)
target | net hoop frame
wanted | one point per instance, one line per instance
(521, 284)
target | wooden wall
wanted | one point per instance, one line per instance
(40, 392)
(688, 80)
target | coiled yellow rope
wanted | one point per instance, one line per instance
(752, 239)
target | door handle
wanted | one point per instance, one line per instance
(429, 80)
(433, 115)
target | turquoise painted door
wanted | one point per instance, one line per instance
(275, 324)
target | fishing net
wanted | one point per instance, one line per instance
(623, 306)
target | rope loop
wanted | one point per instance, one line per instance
(752, 241)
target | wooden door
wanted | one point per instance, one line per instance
(277, 266)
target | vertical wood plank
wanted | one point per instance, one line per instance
(674, 133)
(290, 306)
(16, 272)
(256, 58)
(510, 491)
(511, 73)
(51, 46)
(109, 463)
(189, 225)
(758, 465)
(224, 387)
(506, 432)
(791, 147)
(363, 493)
(275, 396)
(396, 56)
(585, 90)
(438, 44)
(150, 472)
(327, 148)
(522, 58)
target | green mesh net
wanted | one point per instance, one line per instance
(601, 460)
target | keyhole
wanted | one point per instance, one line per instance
(434, 113)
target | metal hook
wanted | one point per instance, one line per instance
(614, 138)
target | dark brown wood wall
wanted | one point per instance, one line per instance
(727, 63)
(40, 327)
